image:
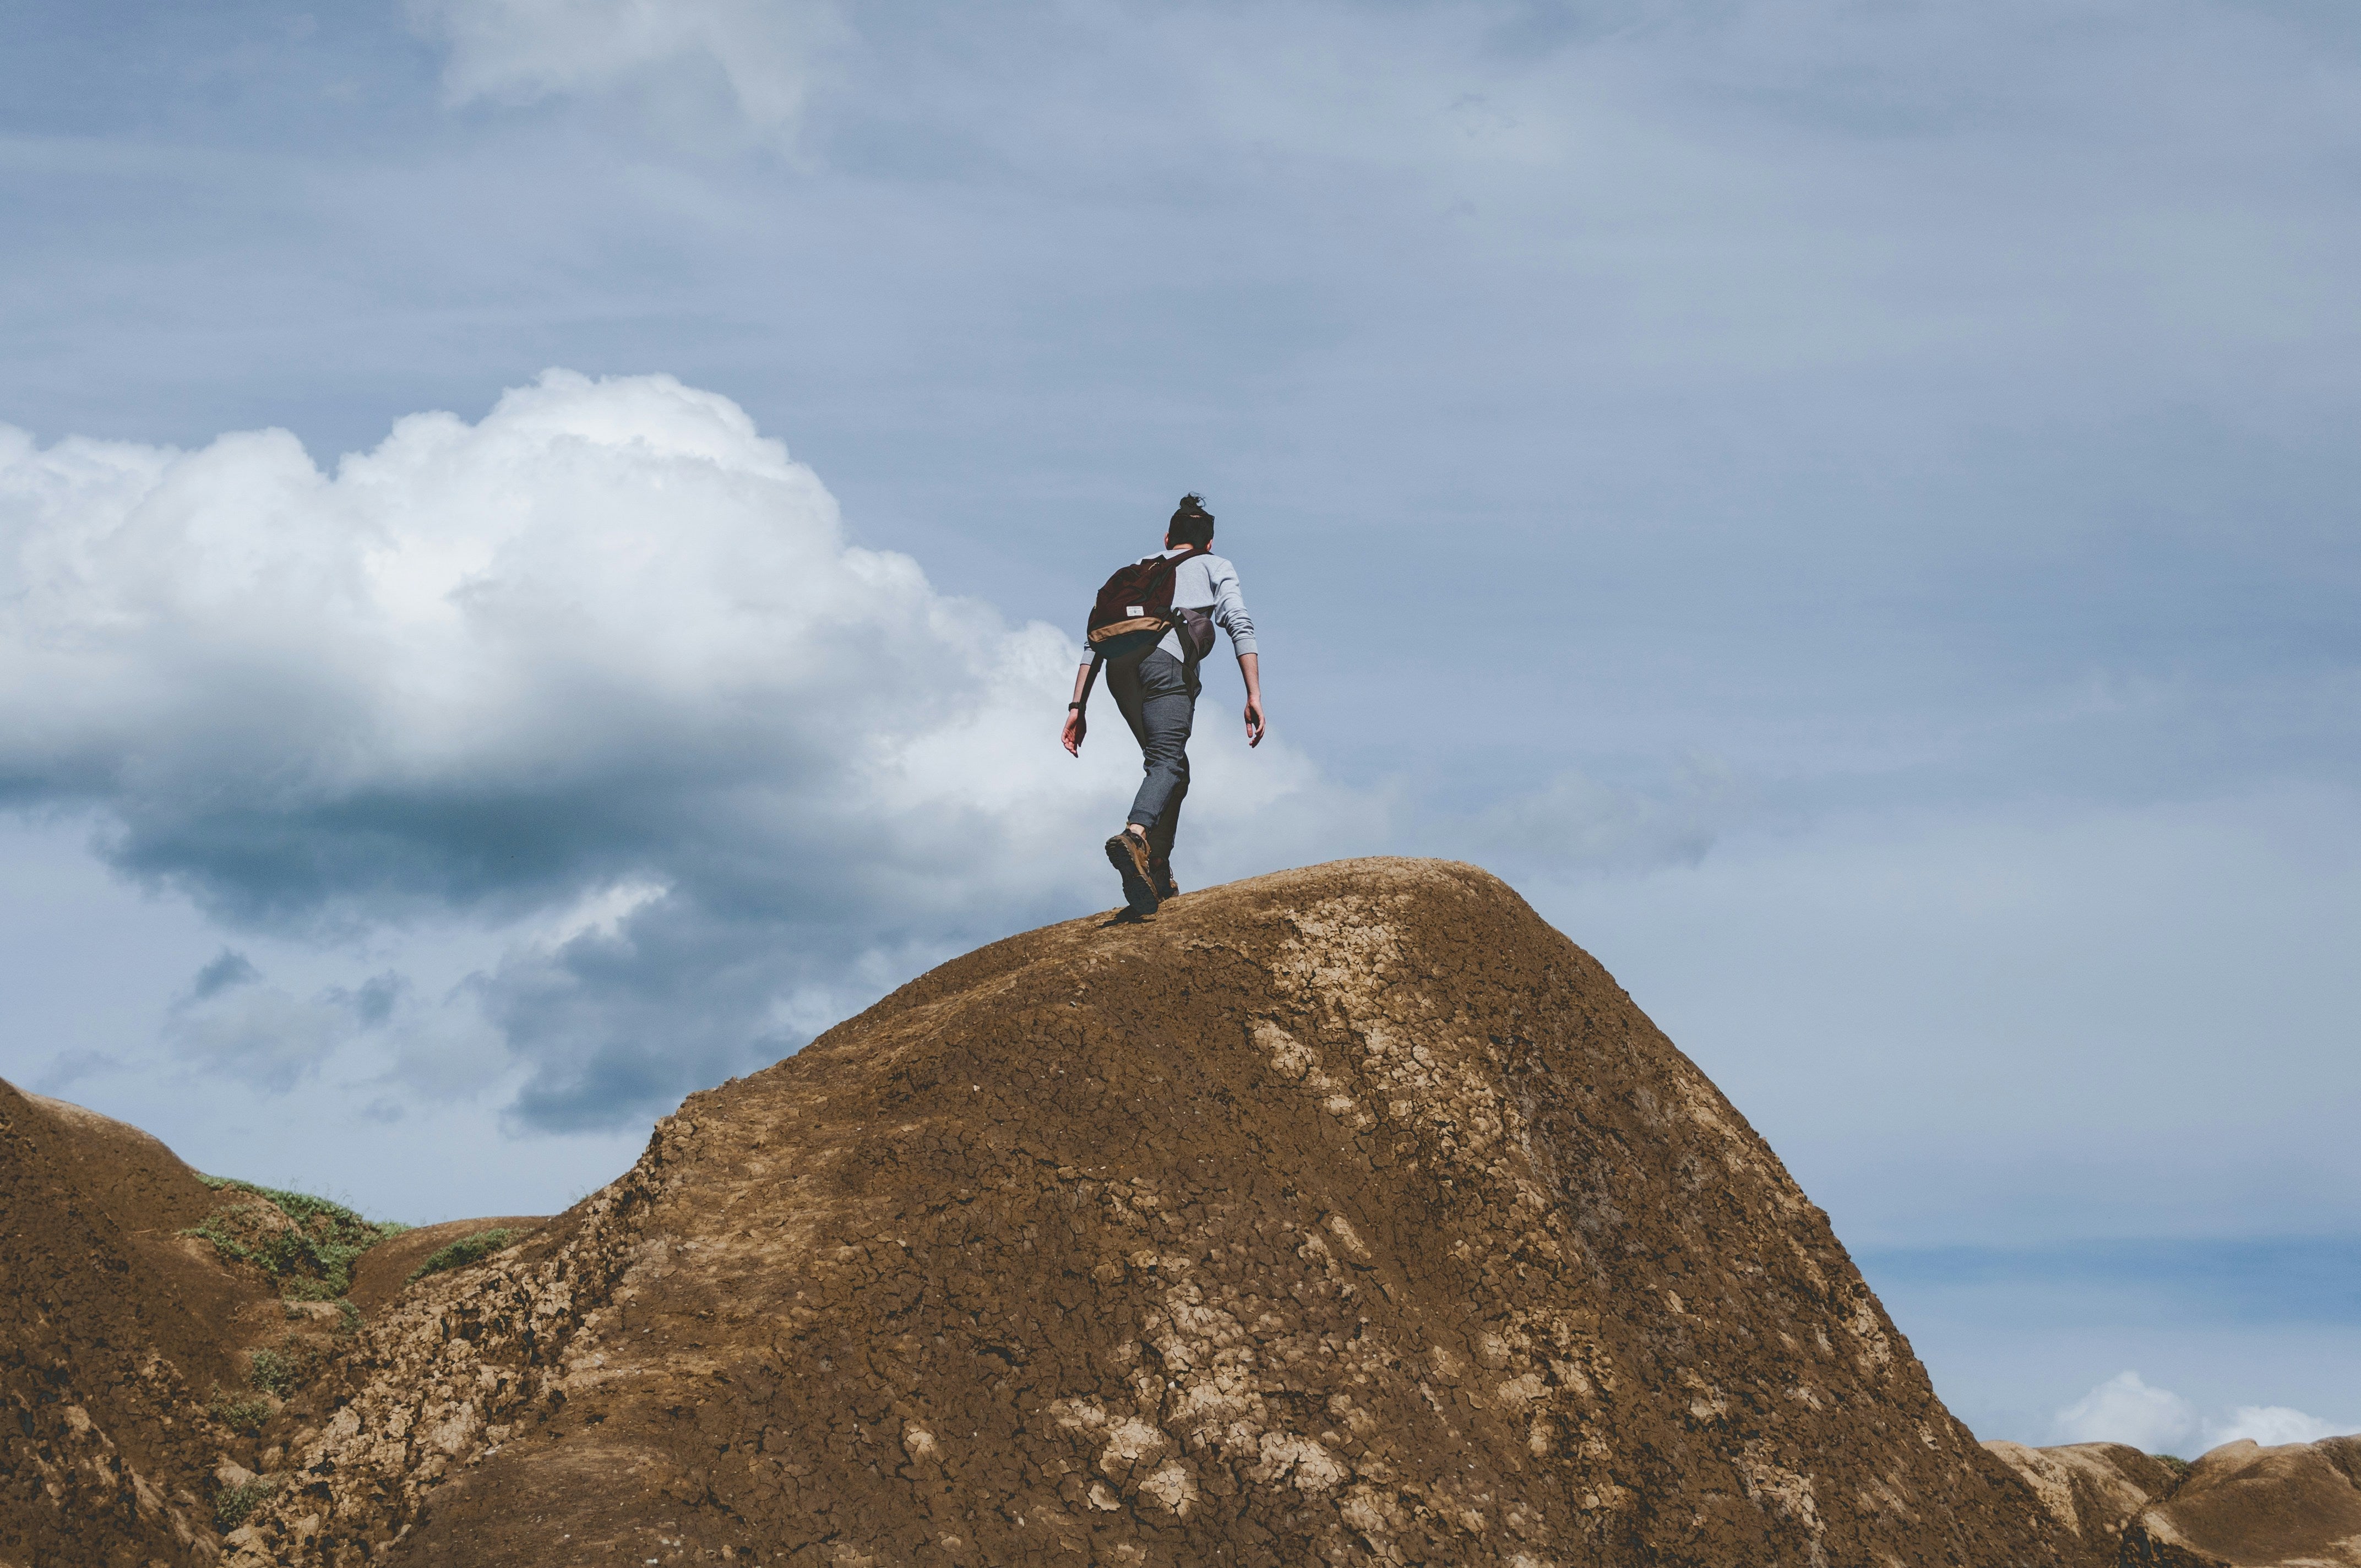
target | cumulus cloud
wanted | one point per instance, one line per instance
(2126, 1410)
(565, 650)
(761, 52)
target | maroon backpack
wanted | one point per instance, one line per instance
(1135, 610)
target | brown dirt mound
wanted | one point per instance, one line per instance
(142, 1185)
(1349, 1214)
(2243, 1505)
(149, 1197)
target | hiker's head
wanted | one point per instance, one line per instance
(1191, 523)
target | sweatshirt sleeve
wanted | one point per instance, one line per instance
(1230, 609)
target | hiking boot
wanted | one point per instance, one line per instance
(1159, 877)
(1128, 852)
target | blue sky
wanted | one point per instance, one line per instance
(1848, 508)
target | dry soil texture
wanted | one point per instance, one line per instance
(1349, 1214)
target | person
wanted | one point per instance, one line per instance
(1157, 691)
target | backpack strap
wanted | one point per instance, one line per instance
(1177, 619)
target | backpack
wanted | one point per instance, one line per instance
(1135, 610)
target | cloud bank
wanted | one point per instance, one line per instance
(2126, 1410)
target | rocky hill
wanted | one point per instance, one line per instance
(2241, 1506)
(1347, 1214)
(1344, 1214)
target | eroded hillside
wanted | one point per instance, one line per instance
(152, 1323)
(1346, 1214)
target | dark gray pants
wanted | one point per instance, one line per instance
(1157, 695)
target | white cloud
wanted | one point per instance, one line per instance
(762, 51)
(528, 654)
(2271, 1425)
(2126, 1410)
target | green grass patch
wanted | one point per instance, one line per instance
(233, 1504)
(2173, 1462)
(247, 1415)
(349, 1317)
(306, 1246)
(463, 1252)
(277, 1371)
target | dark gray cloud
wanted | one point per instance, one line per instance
(615, 1022)
(231, 968)
(374, 1000)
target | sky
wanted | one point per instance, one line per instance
(541, 545)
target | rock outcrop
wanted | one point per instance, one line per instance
(2094, 1491)
(1349, 1214)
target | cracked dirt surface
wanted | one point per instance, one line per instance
(1346, 1214)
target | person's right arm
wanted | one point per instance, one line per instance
(1250, 666)
(1230, 614)
(1076, 725)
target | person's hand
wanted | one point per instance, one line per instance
(1076, 727)
(1253, 721)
